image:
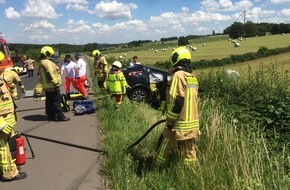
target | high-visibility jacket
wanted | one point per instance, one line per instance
(116, 82)
(11, 77)
(7, 109)
(101, 68)
(50, 75)
(182, 101)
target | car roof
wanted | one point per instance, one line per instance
(138, 67)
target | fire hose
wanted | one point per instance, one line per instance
(84, 147)
(145, 134)
(63, 143)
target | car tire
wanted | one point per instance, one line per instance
(139, 95)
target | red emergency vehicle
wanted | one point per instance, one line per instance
(7, 62)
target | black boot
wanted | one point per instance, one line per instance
(19, 176)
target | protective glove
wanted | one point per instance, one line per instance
(169, 124)
(7, 129)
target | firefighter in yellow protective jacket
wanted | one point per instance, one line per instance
(182, 119)
(10, 75)
(101, 67)
(116, 83)
(8, 167)
(51, 82)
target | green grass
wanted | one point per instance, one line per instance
(215, 47)
(282, 61)
(230, 155)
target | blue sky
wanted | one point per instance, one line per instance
(121, 21)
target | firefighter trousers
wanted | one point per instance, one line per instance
(7, 164)
(187, 148)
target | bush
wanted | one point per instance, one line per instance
(261, 97)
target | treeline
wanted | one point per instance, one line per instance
(63, 48)
(189, 37)
(138, 43)
(251, 29)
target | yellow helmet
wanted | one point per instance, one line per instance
(178, 54)
(96, 53)
(117, 64)
(2, 56)
(47, 51)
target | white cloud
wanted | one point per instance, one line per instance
(40, 37)
(2, 1)
(257, 14)
(225, 5)
(36, 8)
(184, 9)
(77, 27)
(11, 13)
(114, 10)
(79, 7)
(40, 25)
(68, 1)
(170, 23)
(285, 12)
(131, 25)
(201, 29)
(280, 1)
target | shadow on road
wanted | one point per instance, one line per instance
(35, 117)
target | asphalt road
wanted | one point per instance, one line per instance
(57, 166)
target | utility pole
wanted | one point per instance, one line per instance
(242, 14)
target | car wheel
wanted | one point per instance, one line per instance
(139, 95)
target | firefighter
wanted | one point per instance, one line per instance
(116, 83)
(8, 167)
(182, 120)
(101, 67)
(51, 82)
(10, 75)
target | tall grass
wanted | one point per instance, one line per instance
(230, 155)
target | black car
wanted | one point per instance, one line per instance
(147, 84)
(18, 62)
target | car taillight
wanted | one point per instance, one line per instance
(135, 73)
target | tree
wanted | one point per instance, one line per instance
(275, 29)
(250, 29)
(237, 30)
(182, 41)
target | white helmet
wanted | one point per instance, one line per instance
(117, 64)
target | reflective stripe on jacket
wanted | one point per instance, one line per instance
(116, 82)
(49, 75)
(182, 100)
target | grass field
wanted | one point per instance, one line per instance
(215, 47)
(282, 62)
